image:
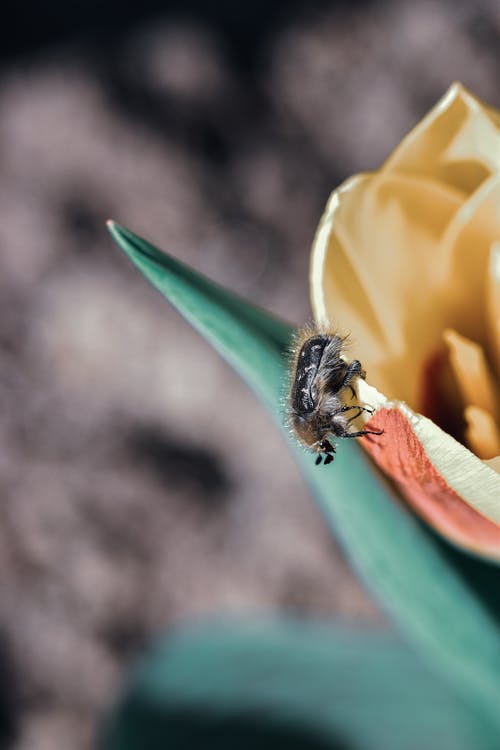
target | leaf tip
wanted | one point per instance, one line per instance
(113, 228)
(121, 236)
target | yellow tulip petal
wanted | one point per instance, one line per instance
(465, 251)
(458, 142)
(482, 434)
(472, 373)
(375, 269)
(493, 304)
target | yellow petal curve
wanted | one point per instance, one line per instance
(375, 268)
(458, 142)
(493, 303)
(465, 252)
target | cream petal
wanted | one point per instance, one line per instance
(493, 303)
(375, 268)
(458, 142)
(494, 115)
(476, 482)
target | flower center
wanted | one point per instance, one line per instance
(461, 389)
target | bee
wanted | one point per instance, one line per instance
(320, 375)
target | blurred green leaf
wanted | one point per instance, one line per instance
(446, 603)
(288, 685)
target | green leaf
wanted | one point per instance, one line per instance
(288, 685)
(251, 340)
(446, 603)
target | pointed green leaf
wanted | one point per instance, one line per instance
(445, 602)
(288, 685)
(252, 341)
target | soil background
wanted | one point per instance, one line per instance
(140, 482)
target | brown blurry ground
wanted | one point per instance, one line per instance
(141, 484)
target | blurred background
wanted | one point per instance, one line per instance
(141, 484)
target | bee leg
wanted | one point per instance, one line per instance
(354, 369)
(355, 416)
(359, 411)
(360, 433)
(318, 460)
(329, 458)
(342, 409)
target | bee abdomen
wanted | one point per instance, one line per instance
(303, 395)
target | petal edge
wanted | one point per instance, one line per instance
(446, 484)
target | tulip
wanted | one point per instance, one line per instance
(408, 260)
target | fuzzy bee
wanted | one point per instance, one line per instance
(320, 375)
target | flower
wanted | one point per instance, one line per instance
(408, 259)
